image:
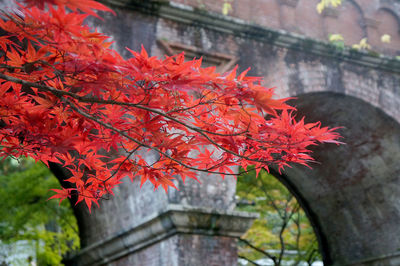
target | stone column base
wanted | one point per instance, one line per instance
(182, 235)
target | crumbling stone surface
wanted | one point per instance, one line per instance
(354, 20)
(185, 249)
(352, 197)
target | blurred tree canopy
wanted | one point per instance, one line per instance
(27, 216)
(283, 234)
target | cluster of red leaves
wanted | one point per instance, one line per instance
(66, 97)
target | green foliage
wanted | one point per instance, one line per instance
(283, 231)
(337, 40)
(27, 215)
(226, 7)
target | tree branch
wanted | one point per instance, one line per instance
(202, 132)
(249, 260)
(258, 249)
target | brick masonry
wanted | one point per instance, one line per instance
(354, 20)
(352, 197)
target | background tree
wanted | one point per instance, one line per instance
(283, 233)
(27, 215)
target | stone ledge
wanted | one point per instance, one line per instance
(176, 219)
(392, 259)
(186, 14)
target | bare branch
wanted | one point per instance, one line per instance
(272, 257)
(249, 260)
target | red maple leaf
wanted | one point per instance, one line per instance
(67, 97)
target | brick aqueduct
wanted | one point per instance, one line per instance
(352, 198)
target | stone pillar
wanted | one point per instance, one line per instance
(193, 226)
(287, 14)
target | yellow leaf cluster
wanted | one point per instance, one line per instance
(363, 45)
(226, 8)
(325, 3)
(385, 38)
(336, 38)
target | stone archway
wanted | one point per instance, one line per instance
(353, 196)
(195, 225)
(295, 65)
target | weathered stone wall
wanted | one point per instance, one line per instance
(348, 233)
(354, 193)
(291, 63)
(354, 20)
(184, 249)
(352, 197)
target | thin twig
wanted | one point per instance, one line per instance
(272, 257)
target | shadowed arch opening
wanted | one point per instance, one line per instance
(352, 195)
(282, 234)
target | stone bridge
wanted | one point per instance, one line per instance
(352, 198)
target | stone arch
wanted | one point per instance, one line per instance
(361, 18)
(346, 20)
(388, 23)
(393, 13)
(352, 197)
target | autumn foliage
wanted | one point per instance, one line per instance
(67, 97)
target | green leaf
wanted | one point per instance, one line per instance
(27, 215)
(272, 200)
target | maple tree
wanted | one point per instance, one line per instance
(66, 97)
(282, 235)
